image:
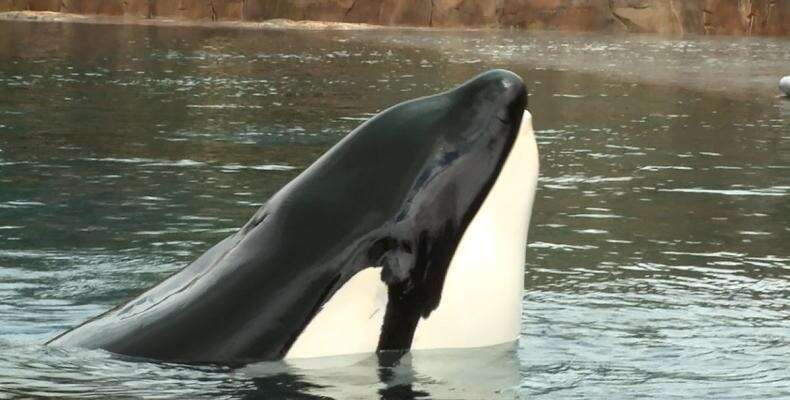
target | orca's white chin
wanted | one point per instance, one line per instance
(482, 294)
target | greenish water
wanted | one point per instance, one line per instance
(658, 261)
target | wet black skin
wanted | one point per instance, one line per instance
(396, 193)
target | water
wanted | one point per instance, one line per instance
(658, 261)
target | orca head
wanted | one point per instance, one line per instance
(418, 173)
(487, 112)
(474, 129)
(469, 139)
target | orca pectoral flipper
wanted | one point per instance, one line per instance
(414, 289)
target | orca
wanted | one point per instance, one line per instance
(409, 233)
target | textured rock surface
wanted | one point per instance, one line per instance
(107, 7)
(731, 17)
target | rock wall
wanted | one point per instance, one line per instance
(732, 17)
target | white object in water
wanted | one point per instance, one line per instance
(784, 85)
(482, 294)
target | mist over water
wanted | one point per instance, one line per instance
(658, 257)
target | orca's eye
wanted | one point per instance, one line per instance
(449, 156)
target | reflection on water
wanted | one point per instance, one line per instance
(484, 373)
(721, 64)
(658, 260)
(487, 373)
